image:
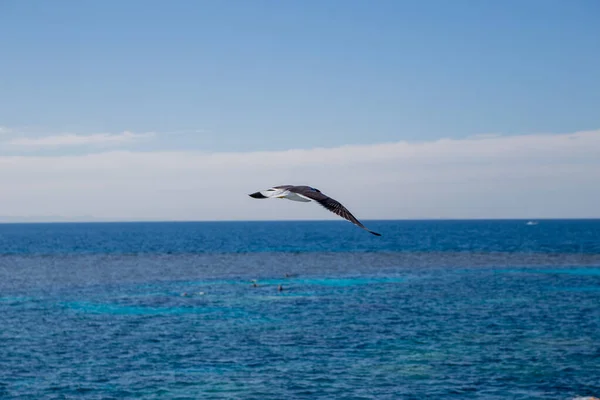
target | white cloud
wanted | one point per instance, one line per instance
(70, 139)
(4, 130)
(528, 176)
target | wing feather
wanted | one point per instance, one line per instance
(330, 204)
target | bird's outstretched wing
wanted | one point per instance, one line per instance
(331, 204)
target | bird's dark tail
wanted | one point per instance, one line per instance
(258, 195)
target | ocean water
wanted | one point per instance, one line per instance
(432, 309)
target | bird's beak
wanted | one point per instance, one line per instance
(257, 195)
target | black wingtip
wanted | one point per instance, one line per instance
(375, 233)
(257, 195)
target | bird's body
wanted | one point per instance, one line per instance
(308, 194)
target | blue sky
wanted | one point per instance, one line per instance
(256, 75)
(90, 78)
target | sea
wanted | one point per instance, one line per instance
(479, 309)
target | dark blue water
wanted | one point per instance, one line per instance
(558, 236)
(455, 309)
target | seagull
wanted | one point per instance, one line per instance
(307, 194)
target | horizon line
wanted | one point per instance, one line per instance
(158, 221)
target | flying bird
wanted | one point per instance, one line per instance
(307, 194)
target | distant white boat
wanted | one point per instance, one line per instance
(531, 223)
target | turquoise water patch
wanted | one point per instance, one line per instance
(332, 282)
(117, 309)
(343, 282)
(287, 297)
(592, 271)
(582, 271)
(212, 282)
(219, 287)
